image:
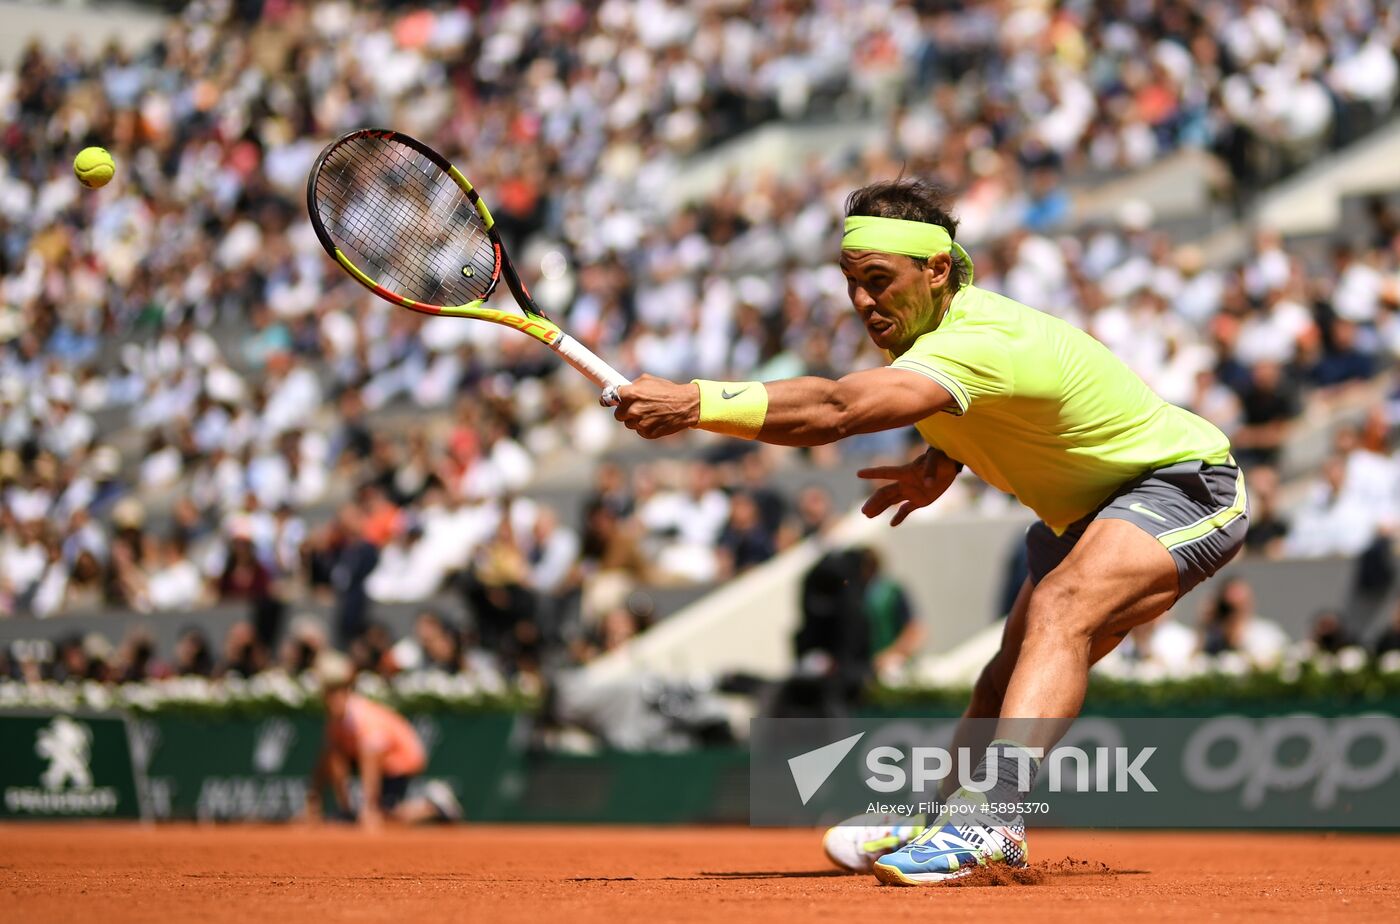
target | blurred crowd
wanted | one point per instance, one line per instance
(1232, 634)
(860, 629)
(517, 590)
(195, 406)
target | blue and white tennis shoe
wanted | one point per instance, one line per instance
(958, 843)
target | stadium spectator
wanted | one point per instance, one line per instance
(1389, 639)
(1267, 530)
(244, 653)
(610, 490)
(305, 640)
(84, 588)
(613, 561)
(556, 574)
(370, 650)
(1163, 643)
(1328, 634)
(1271, 403)
(410, 569)
(174, 582)
(193, 656)
(381, 519)
(895, 633)
(832, 643)
(434, 645)
(499, 596)
(137, 658)
(815, 514)
(756, 474)
(1343, 362)
(1337, 518)
(1215, 402)
(746, 540)
(683, 523)
(246, 579)
(616, 627)
(1232, 625)
(347, 558)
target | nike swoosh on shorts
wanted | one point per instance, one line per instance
(1139, 508)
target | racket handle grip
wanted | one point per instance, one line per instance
(594, 369)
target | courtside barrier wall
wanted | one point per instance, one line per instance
(251, 767)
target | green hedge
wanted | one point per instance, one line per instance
(1349, 677)
(268, 694)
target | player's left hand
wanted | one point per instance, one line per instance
(913, 485)
(656, 407)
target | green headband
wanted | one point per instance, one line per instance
(895, 235)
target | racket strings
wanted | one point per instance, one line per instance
(406, 195)
(404, 222)
(401, 231)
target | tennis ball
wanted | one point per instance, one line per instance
(93, 167)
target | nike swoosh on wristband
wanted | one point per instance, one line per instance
(726, 394)
(1139, 508)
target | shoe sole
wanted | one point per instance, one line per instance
(888, 875)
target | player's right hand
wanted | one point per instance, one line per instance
(656, 407)
(913, 485)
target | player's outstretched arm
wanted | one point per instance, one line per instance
(806, 411)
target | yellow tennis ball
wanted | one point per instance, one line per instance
(94, 167)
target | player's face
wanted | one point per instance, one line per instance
(894, 295)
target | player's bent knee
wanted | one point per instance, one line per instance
(1057, 607)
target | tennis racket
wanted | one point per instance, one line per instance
(406, 224)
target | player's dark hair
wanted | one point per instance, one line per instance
(911, 199)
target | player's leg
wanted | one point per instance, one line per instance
(976, 728)
(1153, 542)
(857, 843)
(1108, 583)
(1116, 577)
(437, 803)
(974, 731)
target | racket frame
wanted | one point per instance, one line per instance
(534, 322)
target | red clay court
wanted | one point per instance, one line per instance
(118, 873)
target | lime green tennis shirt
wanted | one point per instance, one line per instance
(1044, 411)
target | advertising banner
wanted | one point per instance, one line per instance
(257, 768)
(1299, 770)
(55, 766)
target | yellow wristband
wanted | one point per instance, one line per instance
(732, 408)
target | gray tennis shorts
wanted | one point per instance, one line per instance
(1198, 511)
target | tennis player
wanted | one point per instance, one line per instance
(1138, 500)
(371, 739)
